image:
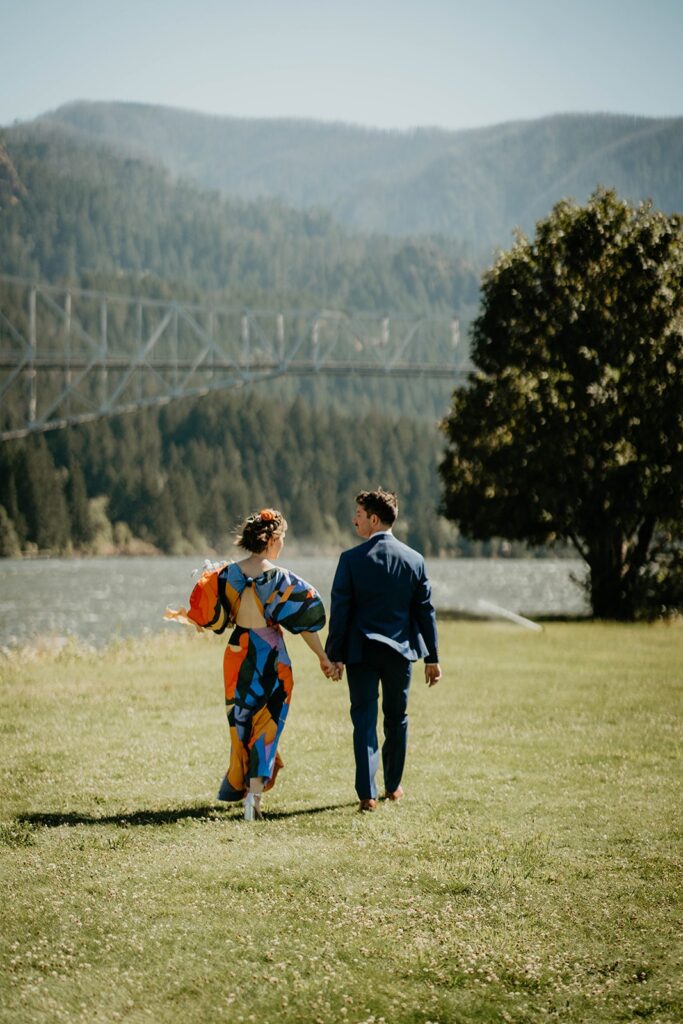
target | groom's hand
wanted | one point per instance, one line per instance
(432, 674)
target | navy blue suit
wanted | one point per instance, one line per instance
(381, 621)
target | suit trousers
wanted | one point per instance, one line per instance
(381, 664)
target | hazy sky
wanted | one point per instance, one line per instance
(386, 63)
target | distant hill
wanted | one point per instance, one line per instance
(475, 185)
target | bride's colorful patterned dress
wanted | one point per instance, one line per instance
(256, 666)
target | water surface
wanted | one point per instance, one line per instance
(96, 599)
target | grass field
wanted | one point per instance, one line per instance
(531, 874)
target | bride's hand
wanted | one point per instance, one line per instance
(329, 669)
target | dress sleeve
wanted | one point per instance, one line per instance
(295, 605)
(209, 608)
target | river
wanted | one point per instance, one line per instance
(98, 599)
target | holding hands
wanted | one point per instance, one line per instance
(331, 669)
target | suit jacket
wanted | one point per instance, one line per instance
(381, 591)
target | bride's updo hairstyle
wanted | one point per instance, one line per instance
(257, 530)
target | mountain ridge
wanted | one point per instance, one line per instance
(476, 184)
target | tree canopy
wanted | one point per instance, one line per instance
(571, 427)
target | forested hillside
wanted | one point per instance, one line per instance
(475, 185)
(182, 478)
(73, 208)
(71, 211)
(179, 479)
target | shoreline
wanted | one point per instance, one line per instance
(71, 645)
(293, 551)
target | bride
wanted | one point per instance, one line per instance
(258, 599)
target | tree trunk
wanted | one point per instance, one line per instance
(615, 571)
(606, 562)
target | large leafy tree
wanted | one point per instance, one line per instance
(571, 427)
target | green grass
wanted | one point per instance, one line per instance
(531, 874)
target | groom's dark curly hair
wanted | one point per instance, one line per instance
(383, 504)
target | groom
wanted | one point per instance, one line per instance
(381, 621)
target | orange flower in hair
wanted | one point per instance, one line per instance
(267, 514)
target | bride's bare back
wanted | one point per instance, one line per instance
(249, 614)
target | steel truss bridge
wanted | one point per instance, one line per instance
(70, 355)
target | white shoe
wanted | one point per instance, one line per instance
(252, 807)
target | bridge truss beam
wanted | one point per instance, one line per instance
(70, 355)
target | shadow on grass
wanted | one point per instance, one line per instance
(167, 817)
(302, 811)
